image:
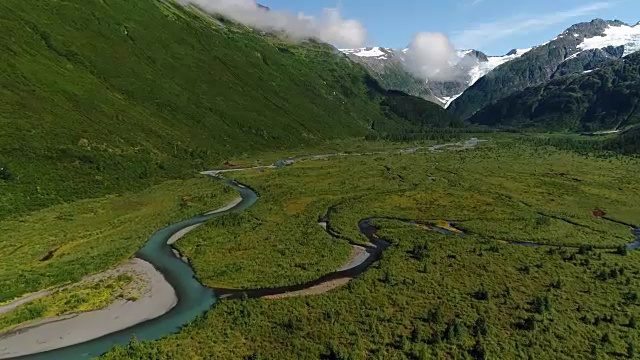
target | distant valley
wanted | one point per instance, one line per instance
(208, 179)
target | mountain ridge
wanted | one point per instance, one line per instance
(582, 47)
(604, 99)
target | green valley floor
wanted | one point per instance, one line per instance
(541, 270)
(431, 295)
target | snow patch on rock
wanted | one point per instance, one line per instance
(366, 52)
(624, 35)
(483, 68)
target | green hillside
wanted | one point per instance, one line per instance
(100, 96)
(600, 100)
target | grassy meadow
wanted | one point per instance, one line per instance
(64, 243)
(75, 299)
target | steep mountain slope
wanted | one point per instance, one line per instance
(387, 65)
(604, 99)
(582, 47)
(98, 97)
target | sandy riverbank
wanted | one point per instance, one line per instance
(157, 298)
(358, 256)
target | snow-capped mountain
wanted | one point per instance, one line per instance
(483, 68)
(581, 48)
(387, 66)
(622, 35)
(603, 100)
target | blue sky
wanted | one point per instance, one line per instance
(493, 26)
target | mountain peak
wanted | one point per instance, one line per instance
(592, 28)
(479, 55)
(512, 52)
(615, 34)
(582, 47)
(599, 34)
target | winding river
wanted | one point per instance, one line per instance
(194, 299)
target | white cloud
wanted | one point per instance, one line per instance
(431, 56)
(487, 33)
(330, 27)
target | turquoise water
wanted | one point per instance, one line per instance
(194, 299)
